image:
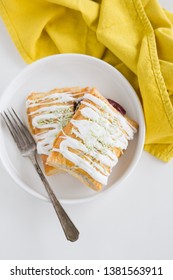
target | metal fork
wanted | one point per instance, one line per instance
(27, 147)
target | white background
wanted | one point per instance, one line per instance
(132, 222)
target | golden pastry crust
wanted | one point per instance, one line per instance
(58, 160)
(43, 100)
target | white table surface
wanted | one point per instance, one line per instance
(134, 221)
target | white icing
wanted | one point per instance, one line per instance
(49, 109)
(70, 142)
(45, 140)
(50, 119)
(100, 132)
(54, 97)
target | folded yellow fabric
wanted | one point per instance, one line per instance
(135, 36)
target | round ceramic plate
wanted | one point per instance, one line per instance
(67, 70)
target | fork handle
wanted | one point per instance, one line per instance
(69, 228)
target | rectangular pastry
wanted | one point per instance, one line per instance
(89, 146)
(47, 113)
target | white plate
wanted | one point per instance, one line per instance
(62, 71)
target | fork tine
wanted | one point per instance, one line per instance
(24, 128)
(21, 136)
(7, 124)
(11, 129)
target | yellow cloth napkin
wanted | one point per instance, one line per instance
(135, 36)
